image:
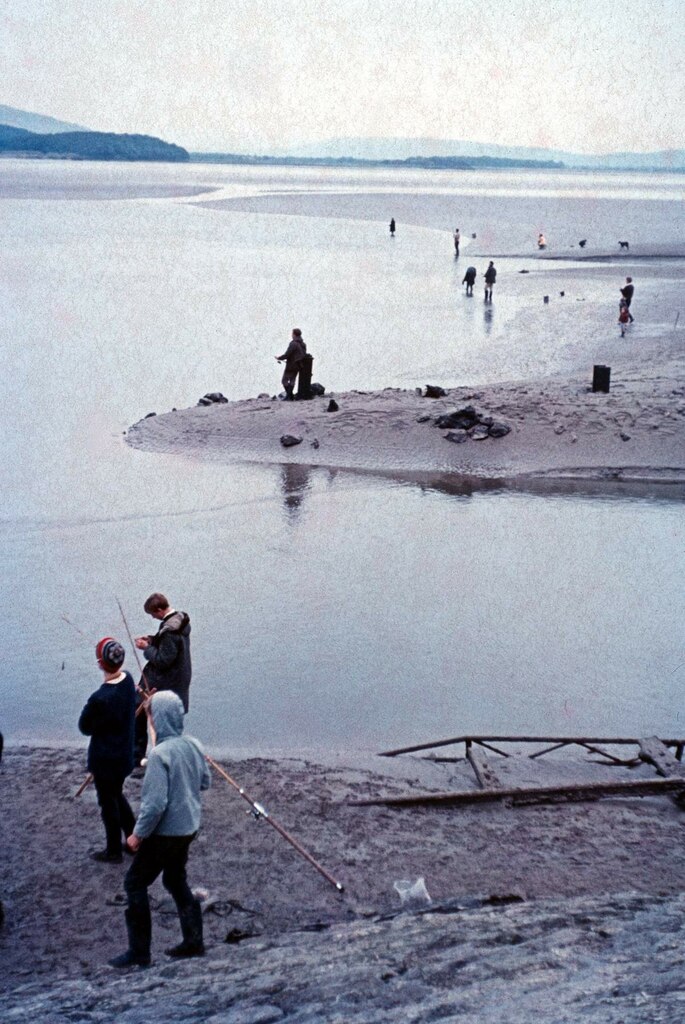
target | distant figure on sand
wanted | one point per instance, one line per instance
(469, 279)
(627, 293)
(392, 228)
(293, 356)
(542, 241)
(490, 278)
(457, 240)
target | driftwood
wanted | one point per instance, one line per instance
(658, 754)
(530, 794)
(558, 741)
(487, 777)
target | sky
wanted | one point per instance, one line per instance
(258, 76)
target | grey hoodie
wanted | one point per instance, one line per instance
(176, 773)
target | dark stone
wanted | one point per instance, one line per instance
(423, 419)
(238, 935)
(317, 389)
(480, 432)
(205, 401)
(216, 396)
(150, 414)
(288, 440)
(315, 443)
(332, 406)
(524, 271)
(464, 419)
(457, 436)
(433, 391)
(498, 430)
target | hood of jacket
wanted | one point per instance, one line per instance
(179, 622)
(166, 708)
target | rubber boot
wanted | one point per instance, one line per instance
(139, 928)
(191, 929)
(289, 397)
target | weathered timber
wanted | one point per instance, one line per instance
(560, 740)
(656, 753)
(574, 791)
(486, 775)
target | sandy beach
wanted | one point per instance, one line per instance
(64, 916)
(559, 429)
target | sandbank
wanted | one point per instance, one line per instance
(559, 430)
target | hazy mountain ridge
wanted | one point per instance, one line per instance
(403, 149)
(87, 146)
(39, 123)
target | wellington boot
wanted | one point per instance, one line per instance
(130, 959)
(185, 950)
(191, 929)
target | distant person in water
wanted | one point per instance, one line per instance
(627, 293)
(392, 228)
(542, 241)
(469, 279)
(293, 356)
(490, 278)
(457, 240)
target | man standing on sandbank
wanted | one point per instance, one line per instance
(490, 278)
(293, 356)
(457, 240)
(168, 821)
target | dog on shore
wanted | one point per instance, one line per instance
(582, 243)
(624, 245)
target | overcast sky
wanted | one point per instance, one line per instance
(259, 75)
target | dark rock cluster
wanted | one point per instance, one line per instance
(467, 422)
(213, 398)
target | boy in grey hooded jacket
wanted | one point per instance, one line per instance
(167, 823)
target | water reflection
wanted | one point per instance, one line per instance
(488, 318)
(295, 485)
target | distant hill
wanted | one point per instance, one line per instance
(36, 122)
(403, 149)
(87, 146)
(435, 163)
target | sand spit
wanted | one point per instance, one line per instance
(523, 917)
(560, 430)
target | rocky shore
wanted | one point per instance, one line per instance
(566, 912)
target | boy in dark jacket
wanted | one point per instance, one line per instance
(167, 653)
(108, 718)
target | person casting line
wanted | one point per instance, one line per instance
(108, 718)
(168, 821)
(293, 356)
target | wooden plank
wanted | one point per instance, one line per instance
(485, 773)
(656, 753)
(575, 791)
(611, 740)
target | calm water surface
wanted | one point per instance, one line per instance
(329, 609)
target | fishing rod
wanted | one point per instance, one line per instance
(260, 812)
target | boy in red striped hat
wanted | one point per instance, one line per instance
(108, 718)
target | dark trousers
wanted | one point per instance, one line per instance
(168, 856)
(115, 810)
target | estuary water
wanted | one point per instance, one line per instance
(330, 610)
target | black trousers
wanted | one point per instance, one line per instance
(165, 855)
(115, 810)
